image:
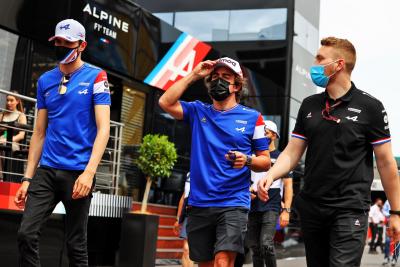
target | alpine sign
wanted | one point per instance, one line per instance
(179, 61)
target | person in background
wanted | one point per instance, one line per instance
(181, 222)
(376, 220)
(263, 216)
(388, 258)
(14, 112)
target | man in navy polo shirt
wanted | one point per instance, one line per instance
(224, 136)
(341, 128)
(263, 216)
(69, 139)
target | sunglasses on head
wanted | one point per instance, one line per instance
(326, 112)
(62, 88)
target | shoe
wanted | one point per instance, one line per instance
(386, 261)
(393, 262)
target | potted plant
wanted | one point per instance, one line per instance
(157, 157)
(138, 244)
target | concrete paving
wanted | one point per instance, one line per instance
(368, 260)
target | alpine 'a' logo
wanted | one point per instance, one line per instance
(84, 92)
(352, 118)
(240, 129)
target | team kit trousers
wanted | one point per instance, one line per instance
(47, 188)
(333, 237)
(260, 237)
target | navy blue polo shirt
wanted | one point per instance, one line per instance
(274, 193)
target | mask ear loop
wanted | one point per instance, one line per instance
(330, 64)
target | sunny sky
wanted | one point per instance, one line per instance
(373, 28)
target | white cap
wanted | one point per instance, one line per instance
(270, 125)
(231, 64)
(69, 30)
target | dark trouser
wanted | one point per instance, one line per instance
(396, 251)
(333, 237)
(260, 237)
(374, 232)
(387, 247)
(48, 187)
(240, 258)
(379, 241)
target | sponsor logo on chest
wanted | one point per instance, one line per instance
(242, 129)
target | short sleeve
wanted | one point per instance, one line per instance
(189, 109)
(378, 127)
(101, 89)
(41, 104)
(260, 142)
(299, 131)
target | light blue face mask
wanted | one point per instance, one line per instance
(318, 76)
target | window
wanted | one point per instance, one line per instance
(167, 17)
(8, 47)
(13, 60)
(231, 25)
(258, 24)
(43, 60)
(204, 25)
(132, 115)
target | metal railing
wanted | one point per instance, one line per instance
(13, 161)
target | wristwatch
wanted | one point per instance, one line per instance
(25, 179)
(395, 212)
(288, 210)
(249, 159)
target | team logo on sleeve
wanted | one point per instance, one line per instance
(101, 84)
(259, 128)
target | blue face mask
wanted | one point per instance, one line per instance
(318, 76)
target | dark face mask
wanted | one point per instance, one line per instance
(66, 55)
(219, 89)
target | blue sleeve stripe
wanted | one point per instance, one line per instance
(381, 141)
(299, 136)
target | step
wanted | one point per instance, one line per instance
(166, 242)
(172, 253)
(156, 208)
(166, 230)
(167, 220)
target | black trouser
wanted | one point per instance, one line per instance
(260, 237)
(379, 241)
(374, 231)
(48, 187)
(376, 237)
(333, 237)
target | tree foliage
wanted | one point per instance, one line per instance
(157, 156)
